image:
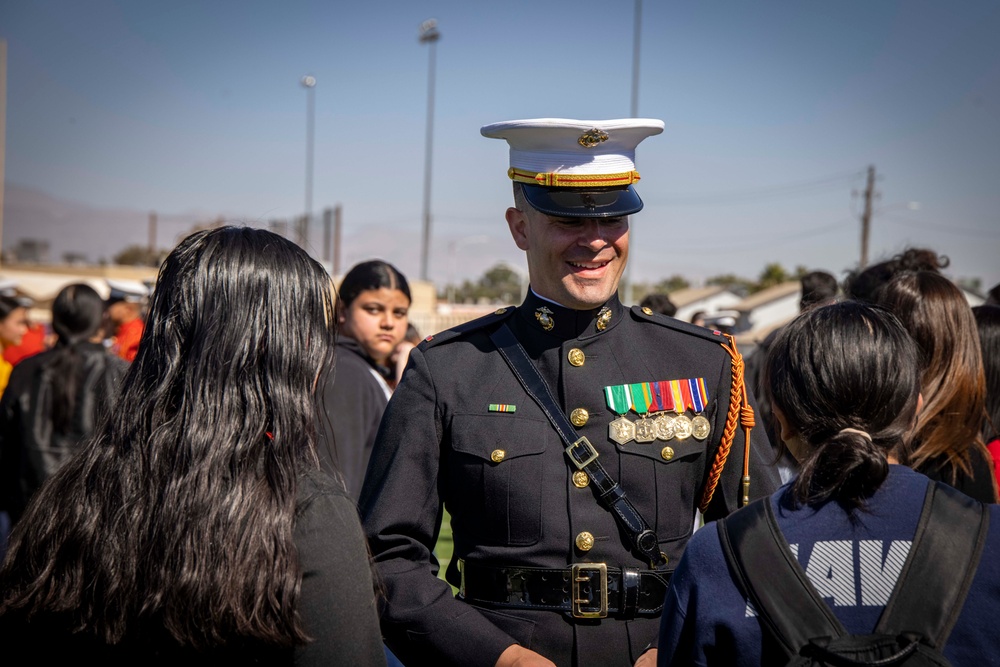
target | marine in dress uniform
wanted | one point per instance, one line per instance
(540, 564)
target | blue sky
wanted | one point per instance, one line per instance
(773, 110)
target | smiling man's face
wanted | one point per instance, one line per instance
(576, 262)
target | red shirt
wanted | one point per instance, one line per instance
(127, 341)
(32, 343)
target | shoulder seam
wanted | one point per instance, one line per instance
(495, 317)
(679, 326)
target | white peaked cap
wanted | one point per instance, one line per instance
(543, 149)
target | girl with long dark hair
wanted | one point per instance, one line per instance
(845, 386)
(195, 527)
(54, 398)
(373, 315)
(947, 444)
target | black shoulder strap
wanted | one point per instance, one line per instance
(928, 596)
(940, 567)
(581, 453)
(772, 580)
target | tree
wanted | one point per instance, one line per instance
(733, 283)
(500, 284)
(672, 284)
(140, 255)
(773, 274)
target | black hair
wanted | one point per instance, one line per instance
(371, 275)
(77, 313)
(8, 305)
(845, 366)
(174, 522)
(862, 285)
(988, 324)
(659, 303)
(818, 288)
(993, 296)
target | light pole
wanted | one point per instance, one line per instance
(634, 111)
(309, 83)
(428, 35)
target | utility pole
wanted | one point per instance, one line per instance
(628, 292)
(309, 83)
(866, 217)
(3, 127)
(336, 239)
(327, 224)
(429, 34)
(152, 233)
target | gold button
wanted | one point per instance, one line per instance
(584, 541)
(579, 417)
(667, 453)
(498, 455)
(647, 310)
(500, 311)
(580, 479)
(576, 356)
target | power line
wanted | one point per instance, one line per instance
(940, 227)
(786, 190)
(769, 240)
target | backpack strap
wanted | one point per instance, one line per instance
(941, 565)
(772, 580)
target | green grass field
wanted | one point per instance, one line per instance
(445, 546)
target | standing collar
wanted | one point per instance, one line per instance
(568, 323)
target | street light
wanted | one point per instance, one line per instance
(634, 111)
(428, 35)
(309, 83)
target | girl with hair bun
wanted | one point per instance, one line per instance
(845, 385)
(195, 527)
(54, 398)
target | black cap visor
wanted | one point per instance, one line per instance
(583, 202)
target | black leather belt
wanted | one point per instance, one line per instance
(585, 590)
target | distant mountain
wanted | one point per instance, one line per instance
(101, 233)
(71, 227)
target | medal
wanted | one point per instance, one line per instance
(639, 399)
(682, 427)
(645, 430)
(700, 428)
(664, 427)
(621, 430)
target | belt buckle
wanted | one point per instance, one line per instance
(580, 576)
(592, 453)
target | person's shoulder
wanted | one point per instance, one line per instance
(315, 483)
(480, 324)
(676, 328)
(30, 365)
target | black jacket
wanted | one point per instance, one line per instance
(439, 444)
(354, 399)
(31, 449)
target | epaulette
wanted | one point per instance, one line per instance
(677, 325)
(498, 315)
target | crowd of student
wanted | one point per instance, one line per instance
(231, 546)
